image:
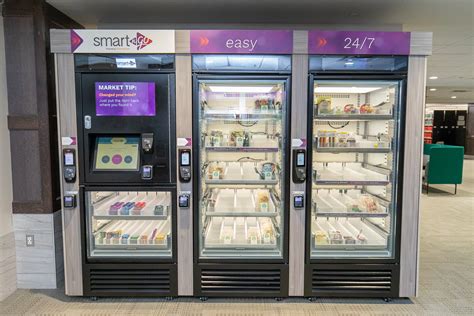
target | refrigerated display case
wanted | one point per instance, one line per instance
(129, 223)
(355, 173)
(241, 126)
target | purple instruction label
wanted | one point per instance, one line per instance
(358, 43)
(125, 98)
(242, 41)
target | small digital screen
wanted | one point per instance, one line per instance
(117, 153)
(69, 159)
(300, 159)
(125, 99)
(185, 159)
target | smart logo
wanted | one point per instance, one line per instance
(111, 42)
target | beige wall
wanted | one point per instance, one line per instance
(6, 194)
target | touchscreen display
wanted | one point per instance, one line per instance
(125, 99)
(69, 159)
(300, 160)
(117, 153)
(185, 159)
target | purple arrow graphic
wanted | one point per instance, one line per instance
(76, 41)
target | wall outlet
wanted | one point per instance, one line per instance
(30, 240)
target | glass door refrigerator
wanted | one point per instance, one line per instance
(241, 123)
(354, 210)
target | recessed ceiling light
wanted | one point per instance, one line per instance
(453, 97)
(433, 77)
(349, 63)
(433, 89)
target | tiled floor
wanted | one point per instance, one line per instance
(446, 278)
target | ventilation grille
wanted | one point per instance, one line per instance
(352, 281)
(130, 281)
(241, 281)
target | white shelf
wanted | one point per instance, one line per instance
(232, 233)
(352, 174)
(242, 173)
(240, 203)
(351, 227)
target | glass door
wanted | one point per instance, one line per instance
(242, 167)
(129, 223)
(355, 136)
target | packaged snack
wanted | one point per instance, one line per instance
(114, 208)
(215, 139)
(125, 239)
(342, 139)
(237, 138)
(324, 105)
(263, 200)
(159, 210)
(268, 236)
(215, 172)
(349, 240)
(153, 235)
(160, 239)
(321, 238)
(267, 171)
(134, 239)
(368, 204)
(350, 109)
(137, 209)
(366, 109)
(227, 235)
(125, 210)
(336, 237)
(351, 141)
(252, 236)
(361, 239)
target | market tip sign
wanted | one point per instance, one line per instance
(242, 41)
(123, 41)
(358, 43)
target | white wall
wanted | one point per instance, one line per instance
(6, 195)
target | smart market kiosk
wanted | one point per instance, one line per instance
(186, 169)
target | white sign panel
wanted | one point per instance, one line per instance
(123, 41)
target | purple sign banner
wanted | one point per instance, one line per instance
(358, 43)
(242, 41)
(125, 99)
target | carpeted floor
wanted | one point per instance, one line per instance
(446, 278)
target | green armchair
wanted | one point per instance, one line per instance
(444, 165)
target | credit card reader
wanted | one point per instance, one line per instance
(69, 165)
(185, 165)
(299, 165)
(147, 172)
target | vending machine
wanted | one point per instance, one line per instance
(127, 173)
(241, 121)
(356, 136)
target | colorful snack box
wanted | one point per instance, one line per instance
(137, 209)
(125, 210)
(114, 208)
(125, 239)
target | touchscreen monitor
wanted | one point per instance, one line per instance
(117, 153)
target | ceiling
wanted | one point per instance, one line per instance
(451, 21)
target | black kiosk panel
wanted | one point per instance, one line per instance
(128, 130)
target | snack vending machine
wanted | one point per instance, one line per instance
(356, 124)
(241, 123)
(127, 175)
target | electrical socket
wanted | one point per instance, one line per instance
(30, 240)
